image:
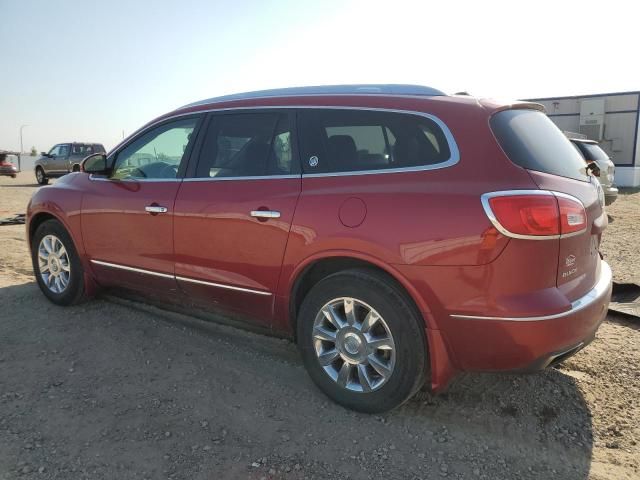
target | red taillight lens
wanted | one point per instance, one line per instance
(573, 217)
(535, 214)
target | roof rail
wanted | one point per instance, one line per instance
(364, 89)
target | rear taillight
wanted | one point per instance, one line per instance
(534, 214)
(573, 217)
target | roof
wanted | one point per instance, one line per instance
(362, 89)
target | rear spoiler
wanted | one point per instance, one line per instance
(498, 106)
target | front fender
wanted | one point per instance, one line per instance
(61, 201)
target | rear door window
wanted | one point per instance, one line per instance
(247, 145)
(363, 140)
(531, 140)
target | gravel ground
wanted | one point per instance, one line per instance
(117, 389)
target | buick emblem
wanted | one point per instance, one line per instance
(313, 161)
(570, 260)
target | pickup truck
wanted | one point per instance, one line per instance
(63, 158)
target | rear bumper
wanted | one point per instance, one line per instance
(528, 343)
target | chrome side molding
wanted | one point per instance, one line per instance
(178, 278)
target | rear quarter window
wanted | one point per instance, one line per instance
(531, 140)
(336, 141)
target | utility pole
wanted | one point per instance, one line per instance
(21, 148)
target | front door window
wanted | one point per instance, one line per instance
(157, 154)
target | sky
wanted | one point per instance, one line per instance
(84, 70)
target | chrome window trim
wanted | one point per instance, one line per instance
(175, 277)
(257, 177)
(484, 198)
(222, 285)
(146, 180)
(454, 157)
(599, 289)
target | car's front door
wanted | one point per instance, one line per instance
(232, 218)
(127, 218)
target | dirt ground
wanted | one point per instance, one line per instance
(115, 389)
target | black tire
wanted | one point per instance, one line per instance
(74, 291)
(41, 178)
(403, 321)
(75, 168)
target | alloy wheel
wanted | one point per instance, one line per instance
(54, 263)
(354, 345)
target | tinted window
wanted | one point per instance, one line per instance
(157, 153)
(356, 140)
(246, 145)
(82, 150)
(531, 140)
(591, 151)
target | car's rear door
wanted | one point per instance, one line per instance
(127, 218)
(232, 217)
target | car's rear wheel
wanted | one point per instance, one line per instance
(41, 177)
(75, 168)
(56, 264)
(362, 341)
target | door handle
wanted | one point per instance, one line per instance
(153, 209)
(265, 214)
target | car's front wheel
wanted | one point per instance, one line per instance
(56, 264)
(41, 177)
(362, 341)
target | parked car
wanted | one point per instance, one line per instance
(398, 234)
(62, 159)
(7, 168)
(593, 153)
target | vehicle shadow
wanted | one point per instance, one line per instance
(148, 389)
(20, 185)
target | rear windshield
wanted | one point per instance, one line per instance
(531, 140)
(592, 151)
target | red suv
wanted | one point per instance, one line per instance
(399, 234)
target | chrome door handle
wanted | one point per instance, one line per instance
(155, 209)
(265, 214)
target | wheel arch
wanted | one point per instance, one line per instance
(319, 266)
(40, 217)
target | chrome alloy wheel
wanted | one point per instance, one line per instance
(39, 175)
(354, 344)
(54, 264)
